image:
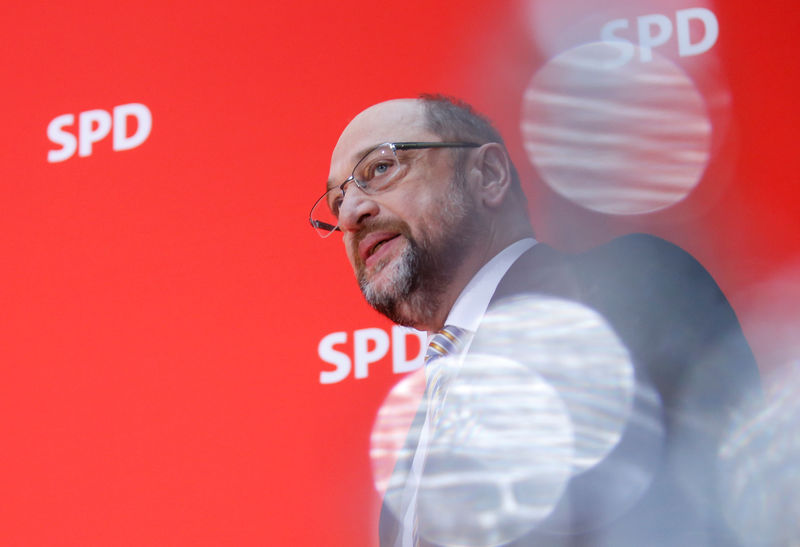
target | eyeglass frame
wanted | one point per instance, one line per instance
(395, 146)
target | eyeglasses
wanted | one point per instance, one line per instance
(379, 169)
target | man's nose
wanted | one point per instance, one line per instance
(355, 208)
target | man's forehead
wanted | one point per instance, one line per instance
(397, 120)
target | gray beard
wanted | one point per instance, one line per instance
(426, 268)
(414, 295)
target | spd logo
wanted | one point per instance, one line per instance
(655, 30)
(93, 126)
(369, 346)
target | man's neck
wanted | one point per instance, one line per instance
(501, 231)
(468, 306)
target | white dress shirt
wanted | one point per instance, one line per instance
(471, 304)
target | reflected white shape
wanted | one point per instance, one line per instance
(616, 414)
(616, 138)
(579, 354)
(536, 410)
(760, 470)
(498, 457)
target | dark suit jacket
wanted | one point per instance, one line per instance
(686, 343)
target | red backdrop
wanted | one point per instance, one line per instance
(163, 305)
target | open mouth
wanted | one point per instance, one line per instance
(372, 250)
(372, 244)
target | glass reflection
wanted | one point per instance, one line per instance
(618, 138)
(536, 409)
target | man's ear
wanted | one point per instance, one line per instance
(492, 168)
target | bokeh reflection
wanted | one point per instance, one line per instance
(498, 456)
(616, 137)
(541, 419)
(576, 352)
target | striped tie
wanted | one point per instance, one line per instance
(448, 341)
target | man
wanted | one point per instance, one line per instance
(435, 226)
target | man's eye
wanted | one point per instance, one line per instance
(379, 169)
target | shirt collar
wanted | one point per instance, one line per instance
(471, 304)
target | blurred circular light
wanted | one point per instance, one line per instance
(496, 459)
(616, 135)
(575, 350)
(499, 455)
(546, 402)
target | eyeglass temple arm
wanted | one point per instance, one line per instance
(421, 145)
(323, 225)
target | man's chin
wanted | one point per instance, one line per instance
(395, 288)
(386, 284)
(381, 281)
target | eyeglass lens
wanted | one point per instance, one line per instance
(373, 173)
